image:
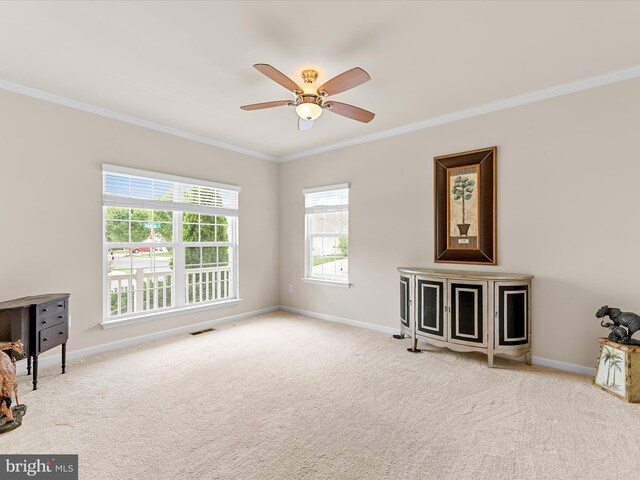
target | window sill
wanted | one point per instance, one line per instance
(147, 317)
(333, 283)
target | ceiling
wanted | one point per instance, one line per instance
(188, 65)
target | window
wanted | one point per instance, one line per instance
(169, 242)
(327, 233)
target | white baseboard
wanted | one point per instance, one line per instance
(345, 321)
(129, 342)
(568, 367)
(545, 362)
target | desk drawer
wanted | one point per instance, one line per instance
(53, 336)
(51, 320)
(51, 308)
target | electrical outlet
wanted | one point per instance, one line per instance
(290, 288)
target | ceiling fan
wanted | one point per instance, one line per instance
(309, 106)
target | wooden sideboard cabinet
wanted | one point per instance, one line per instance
(467, 311)
(41, 322)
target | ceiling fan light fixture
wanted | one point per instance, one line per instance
(310, 101)
(309, 111)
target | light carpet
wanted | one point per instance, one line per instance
(283, 396)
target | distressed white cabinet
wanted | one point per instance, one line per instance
(486, 312)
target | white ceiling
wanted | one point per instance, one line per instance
(188, 65)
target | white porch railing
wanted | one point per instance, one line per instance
(145, 291)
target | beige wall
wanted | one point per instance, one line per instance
(51, 209)
(568, 193)
(567, 212)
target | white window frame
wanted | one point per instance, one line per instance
(179, 269)
(308, 250)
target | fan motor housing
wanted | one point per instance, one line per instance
(309, 98)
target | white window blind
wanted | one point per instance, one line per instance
(332, 198)
(127, 187)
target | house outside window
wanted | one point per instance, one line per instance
(327, 234)
(169, 243)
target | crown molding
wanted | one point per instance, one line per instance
(141, 122)
(516, 101)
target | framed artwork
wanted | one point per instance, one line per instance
(611, 370)
(465, 207)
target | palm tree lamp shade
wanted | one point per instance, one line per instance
(309, 111)
(618, 370)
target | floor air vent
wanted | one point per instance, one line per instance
(206, 330)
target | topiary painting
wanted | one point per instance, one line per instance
(462, 191)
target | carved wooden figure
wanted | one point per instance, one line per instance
(8, 384)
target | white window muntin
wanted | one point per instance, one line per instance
(149, 191)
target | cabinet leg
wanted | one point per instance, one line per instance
(490, 358)
(414, 349)
(527, 358)
(399, 336)
(64, 356)
(29, 365)
(35, 372)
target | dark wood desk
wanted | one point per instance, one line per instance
(41, 322)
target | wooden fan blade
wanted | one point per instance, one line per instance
(349, 111)
(304, 124)
(346, 80)
(277, 76)
(260, 106)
